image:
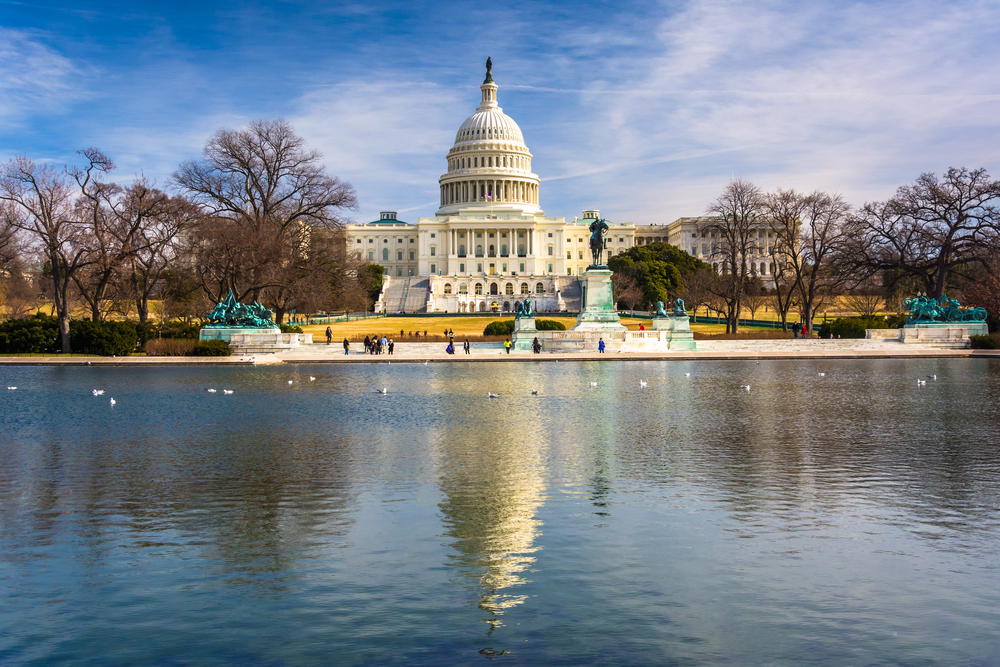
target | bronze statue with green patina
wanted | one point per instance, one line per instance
(598, 240)
(232, 314)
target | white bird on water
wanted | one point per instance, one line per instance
(745, 386)
(642, 383)
(933, 377)
(492, 395)
(593, 384)
(112, 401)
(921, 382)
(98, 392)
(211, 391)
(227, 391)
(11, 388)
(380, 391)
(290, 381)
(312, 379)
(687, 375)
(534, 392)
(821, 374)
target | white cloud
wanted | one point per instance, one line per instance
(35, 80)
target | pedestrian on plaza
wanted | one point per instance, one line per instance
(400, 333)
(391, 346)
(467, 347)
(329, 335)
(795, 330)
(347, 346)
(368, 344)
(600, 345)
(536, 346)
(507, 345)
(425, 333)
(642, 327)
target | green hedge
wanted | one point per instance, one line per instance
(212, 348)
(499, 328)
(852, 327)
(33, 335)
(987, 342)
(103, 338)
(549, 325)
(291, 328)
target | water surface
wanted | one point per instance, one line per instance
(849, 518)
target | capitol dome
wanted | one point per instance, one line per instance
(489, 167)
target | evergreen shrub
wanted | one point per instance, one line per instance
(212, 348)
(33, 335)
(499, 328)
(852, 327)
(290, 328)
(106, 339)
(549, 325)
(987, 342)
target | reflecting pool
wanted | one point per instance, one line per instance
(851, 517)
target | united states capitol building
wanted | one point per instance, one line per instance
(490, 244)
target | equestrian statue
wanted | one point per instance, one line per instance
(598, 240)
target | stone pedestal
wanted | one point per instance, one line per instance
(941, 334)
(226, 334)
(598, 309)
(524, 333)
(680, 336)
(257, 341)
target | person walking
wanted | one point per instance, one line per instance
(536, 346)
(367, 344)
(347, 346)
(507, 345)
(467, 347)
(391, 346)
(600, 345)
(795, 330)
(329, 335)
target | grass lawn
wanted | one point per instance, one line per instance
(435, 326)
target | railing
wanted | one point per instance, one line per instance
(406, 292)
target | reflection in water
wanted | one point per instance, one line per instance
(492, 483)
(849, 518)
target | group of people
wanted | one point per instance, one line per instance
(450, 349)
(376, 345)
(536, 345)
(797, 328)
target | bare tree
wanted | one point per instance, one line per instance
(928, 230)
(866, 298)
(39, 200)
(697, 289)
(738, 217)
(754, 297)
(627, 290)
(810, 234)
(260, 187)
(984, 290)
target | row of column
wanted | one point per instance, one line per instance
(512, 242)
(518, 192)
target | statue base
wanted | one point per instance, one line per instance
(245, 340)
(678, 331)
(598, 311)
(524, 333)
(941, 334)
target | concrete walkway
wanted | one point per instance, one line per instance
(493, 352)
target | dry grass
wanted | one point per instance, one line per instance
(756, 334)
(170, 347)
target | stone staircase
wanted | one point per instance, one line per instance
(406, 295)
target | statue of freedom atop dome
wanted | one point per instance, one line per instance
(598, 239)
(489, 70)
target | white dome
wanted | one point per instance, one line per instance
(489, 167)
(488, 124)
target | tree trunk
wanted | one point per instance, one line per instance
(59, 302)
(279, 315)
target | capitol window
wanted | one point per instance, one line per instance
(551, 251)
(479, 288)
(509, 289)
(525, 289)
(447, 288)
(385, 254)
(433, 251)
(539, 287)
(569, 254)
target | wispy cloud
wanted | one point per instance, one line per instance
(36, 80)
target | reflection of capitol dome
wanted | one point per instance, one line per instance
(489, 167)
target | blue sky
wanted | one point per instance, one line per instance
(644, 110)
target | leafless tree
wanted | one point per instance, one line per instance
(984, 289)
(697, 289)
(754, 297)
(627, 290)
(260, 189)
(866, 298)
(927, 230)
(40, 201)
(810, 231)
(738, 218)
